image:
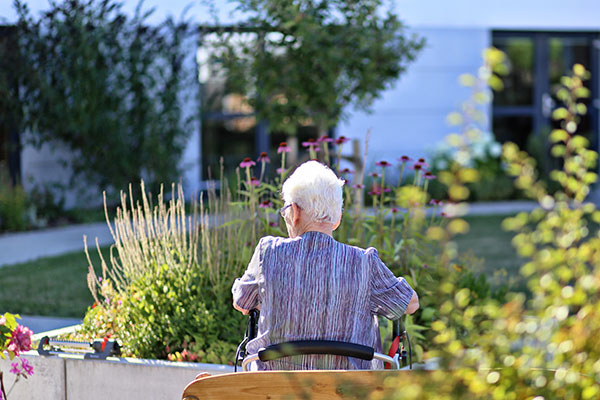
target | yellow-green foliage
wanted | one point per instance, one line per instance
(548, 346)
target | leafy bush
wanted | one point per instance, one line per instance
(106, 85)
(546, 347)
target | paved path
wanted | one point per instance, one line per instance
(28, 246)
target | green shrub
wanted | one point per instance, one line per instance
(548, 346)
(105, 84)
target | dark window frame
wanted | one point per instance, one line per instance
(541, 84)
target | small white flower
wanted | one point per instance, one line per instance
(495, 149)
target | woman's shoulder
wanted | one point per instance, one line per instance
(274, 241)
(369, 251)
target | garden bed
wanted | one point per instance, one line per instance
(72, 377)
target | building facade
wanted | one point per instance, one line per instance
(542, 39)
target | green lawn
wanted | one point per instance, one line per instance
(53, 286)
(57, 286)
(488, 241)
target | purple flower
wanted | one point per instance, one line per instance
(422, 162)
(386, 190)
(325, 139)
(341, 140)
(429, 175)
(20, 340)
(283, 148)
(416, 167)
(310, 143)
(358, 186)
(264, 158)
(374, 192)
(346, 171)
(394, 210)
(273, 224)
(14, 368)
(405, 159)
(266, 204)
(99, 279)
(435, 202)
(281, 171)
(383, 164)
(254, 181)
(374, 175)
(247, 162)
(28, 368)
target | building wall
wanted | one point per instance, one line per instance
(410, 118)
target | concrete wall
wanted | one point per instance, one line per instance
(75, 379)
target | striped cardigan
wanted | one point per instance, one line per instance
(313, 287)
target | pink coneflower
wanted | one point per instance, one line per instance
(346, 171)
(247, 162)
(263, 157)
(416, 167)
(281, 171)
(341, 140)
(266, 204)
(435, 202)
(374, 191)
(358, 186)
(383, 164)
(394, 210)
(386, 190)
(422, 162)
(405, 159)
(374, 174)
(273, 224)
(283, 148)
(254, 181)
(429, 175)
(444, 215)
(325, 139)
(310, 143)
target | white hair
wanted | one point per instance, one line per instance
(316, 190)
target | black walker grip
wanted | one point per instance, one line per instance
(305, 347)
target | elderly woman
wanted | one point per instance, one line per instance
(310, 287)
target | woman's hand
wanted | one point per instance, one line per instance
(413, 305)
(243, 310)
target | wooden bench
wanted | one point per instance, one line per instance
(320, 385)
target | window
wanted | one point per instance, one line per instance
(229, 128)
(522, 111)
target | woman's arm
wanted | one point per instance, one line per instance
(413, 305)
